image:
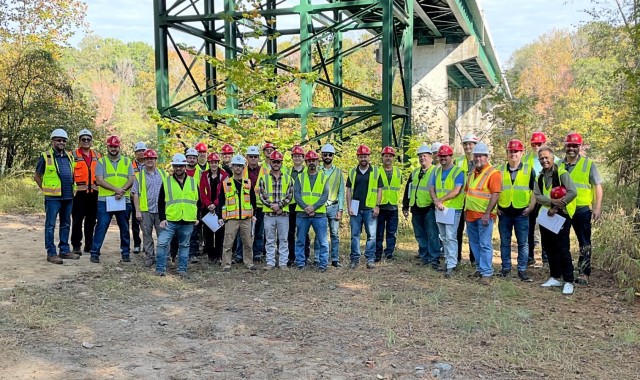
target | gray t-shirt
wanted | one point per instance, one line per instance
(594, 174)
(100, 172)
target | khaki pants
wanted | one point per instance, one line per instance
(231, 228)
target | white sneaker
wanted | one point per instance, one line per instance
(552, 283)
(567, 289)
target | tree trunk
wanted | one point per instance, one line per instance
(636, 217)
(11, 155)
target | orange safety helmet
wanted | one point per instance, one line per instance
(150, 153)
(538, 137)
(297, 150)
(445, 150)
(573, 138)
(201, 147)
(275, 155)
(389, 150)
(363, 149)
(311, 155)
(213, 157)
(515, 144)
(227, 149)
(113, 140)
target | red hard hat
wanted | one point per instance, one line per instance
(275, 155)
(445, 150)
(150, 153)
(538, 137)
(297, 150)
(558, 192)
(213, 157)
(363, 149)
(113, 140)
(388, 150)
(515, 145)
(573, 138)
(268, 145)
(311, 155)
(226, 149)
(201, 147)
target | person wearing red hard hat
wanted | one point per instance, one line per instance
(115, 176)
(209, 189)
(388, 217)
(297, 156)
(515, 203)
(203, 163)
(364, 194)
(226, 152)
(275, 192)
(311, 193)
(335, 203)
(586, 176)
(556, 244)
(145, 193)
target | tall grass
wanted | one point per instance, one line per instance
(20, 194)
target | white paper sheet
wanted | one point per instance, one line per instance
(355, 206)
(211, 221)
(552, 223)
(446, 216)
(114, 204)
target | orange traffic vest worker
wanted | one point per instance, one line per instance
(85, 201)
(236, 205)
(481, 196)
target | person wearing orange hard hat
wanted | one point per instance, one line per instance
(209, 189)
(275, 192)
(297, 156)
(145, 193)
(364, 194)
(388, 217)
(586, 176)
(515, 203)
(556, 244)
(115, 176)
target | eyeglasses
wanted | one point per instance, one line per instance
(327, 154)
(252, 157)
(60, 140)
(86, 139)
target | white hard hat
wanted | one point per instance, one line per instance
(85, 132)
(328, 148)
(191, 152)
(424, 148)
(140, 146)
(239, 160)
(470, 137)
(179, 159)
(435, 146)
(60, 133)
(253, 150)
(481, 148)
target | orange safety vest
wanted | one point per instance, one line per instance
(237, 207)
(478, 194)
(85, 176)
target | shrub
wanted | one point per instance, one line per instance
(20, 194)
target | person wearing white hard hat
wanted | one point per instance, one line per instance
(236, 203)
(114, 176)
(417, 199)
(335, 204)
(481, 197)
(434, 150)
(85, 202)
(138, 166)
(54, 176)
(178, 211)
(466, 163)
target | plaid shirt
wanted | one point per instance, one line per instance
(277, 195)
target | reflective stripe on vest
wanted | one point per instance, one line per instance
(285, 182)
(181, 202)
(580, 177)
(312, 196)
(142, 183)
(85, 176)
(372, 191)
(115, 177)
(419, 188)
(517, 193)
(391, 189)
(234, 208)
(335, 181)
(571, 207)
(51, 183)
(457, 203)
(478, 195)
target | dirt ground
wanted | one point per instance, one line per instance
(400, 321)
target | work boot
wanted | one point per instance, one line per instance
(148, 263)
(523, 276)
(77, 251)
(485, 280)
(371, 265)
(54, 259)
(136, 250)
(69, 256)
(336, 264)
(126, 259)
(353, 265)
(193, 260)
(183, 275)
(95, 259)
(505, 272)
(475, 274)
(448, 273)
(531, 262)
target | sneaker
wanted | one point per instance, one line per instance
(148, 263)
(505, 272)
(136, 250)
(567, 289)
(160, 274)
(485, 280)
(315, 264)
(448, 273)
(390, 258)
(126, 259)
(322, 270)
(69, 256)
(336, 264)
(54, 259)
(77, 251)
(523, 276)
(582, 280)
(193, 260)
(252, 267)
(552, 283)
(371, 265)
(268, 267)
(95, 259)
(353, 265)
(227, 268)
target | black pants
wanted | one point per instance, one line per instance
(532, 235)
(213, 243)
(581, 223)
(558, 250)
(135, 227)
(292, 237)
(84, 214)
(472, 258)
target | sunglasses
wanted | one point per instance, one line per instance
(252, 156)
(327, 154)
(536, 144)
(86, 139)
(574, 146)
(276, 162)
(60, 140)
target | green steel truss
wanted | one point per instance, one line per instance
(216, 27)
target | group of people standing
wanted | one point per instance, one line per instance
(264, 211)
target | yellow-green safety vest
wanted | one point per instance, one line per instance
(516, 194)
(334, 180)
(312, 196)
(372, 191)
(115, 177)
(181, 202)
(580, 176)
(390, 190)
(571, 207)
(142, 191)
(462, 163)
(456, 203)
(419, 188)
(285, 181)
(478, 196)
(51, 183)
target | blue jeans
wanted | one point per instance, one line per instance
(480, 240)
(450, 241)
(387, 222)
(104, 219)
(334, 230)
(364, 217)
(319, 224)
(506, 224)
(425, 230)
(183, 231)
(53, 208)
